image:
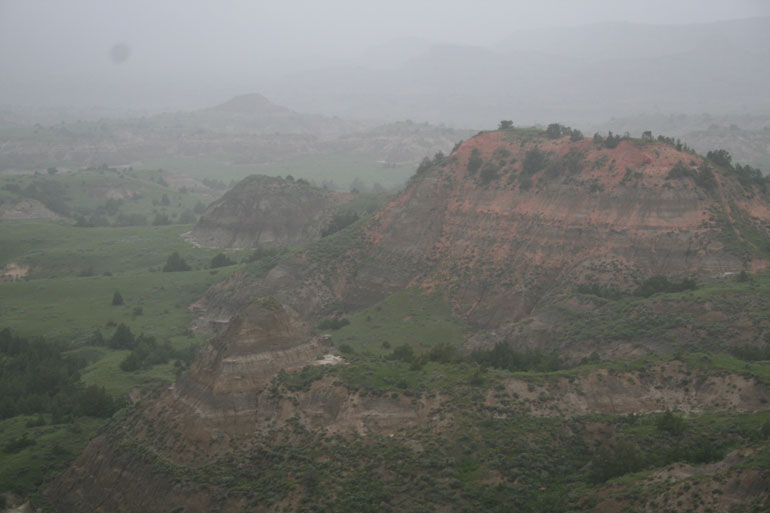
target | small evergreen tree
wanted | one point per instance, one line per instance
(474, 161)
(553, 131)
(720, 158)
(117, 299)
(175, 263)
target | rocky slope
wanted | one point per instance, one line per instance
(265, 211)
(513, 219)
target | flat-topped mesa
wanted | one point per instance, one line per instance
(234, 367)
(264, 211)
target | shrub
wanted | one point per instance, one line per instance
(403, 353)
(175, 263)
(659, 283)
(612, 141)
(270, 303)
(503, 356)
(474, 161)
(117, 299)
(670, 423)
(161, 220)
(554, 131)
(146, 353)
(680, 171)
(534, 161)
(18, 444)
(706, 179)
(574, 161)
(123, 338)
(341, 220)
(489, 172)
(333, 324)
(599, 290)
(720, 158)
(220, 260)
(444, 353)
(620, 459)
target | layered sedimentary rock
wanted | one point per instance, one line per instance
(229, 399)
(510, 220)
(263, 211)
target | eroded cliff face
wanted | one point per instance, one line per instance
(511, 220)
(504, 239)
(263, 211)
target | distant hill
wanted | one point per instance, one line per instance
(580, 75)
(263, 211)
(229, 141)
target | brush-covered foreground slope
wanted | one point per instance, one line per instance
(259, 424)
(512, 220)
(263, 211)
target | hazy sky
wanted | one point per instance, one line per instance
(116, 52)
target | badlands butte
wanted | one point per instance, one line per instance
(537, 322)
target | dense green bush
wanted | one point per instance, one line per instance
(720, 158)
(503, 356)
(161, 220)
(659, 283)
(534, 161)
(334, 323)
(339, 221)
(220, 260)
(705, 178)
(403, 352)
(474, 161)
(489, 172)
(612, 141)
(554, 131)
(175, 263)
(574, 161)
(36, 377)
(671, 423)
(597, 289)
(680, 171)
(147, 352)
(613, 461)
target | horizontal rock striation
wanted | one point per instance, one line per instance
(263, 211)
(505, 236)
